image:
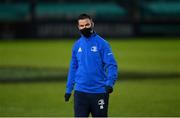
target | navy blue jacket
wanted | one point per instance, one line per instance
(92, 66)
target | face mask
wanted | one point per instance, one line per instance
(87, 32)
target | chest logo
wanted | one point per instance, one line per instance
(94, 49)
(79, 50)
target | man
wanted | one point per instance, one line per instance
(92, 73)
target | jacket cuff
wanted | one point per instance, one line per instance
(68, 90)
(110, 83)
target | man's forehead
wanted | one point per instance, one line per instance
(84, 21)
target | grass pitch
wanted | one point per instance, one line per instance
(149, 85)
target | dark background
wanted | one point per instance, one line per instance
(57, 18)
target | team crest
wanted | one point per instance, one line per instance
(94, 49)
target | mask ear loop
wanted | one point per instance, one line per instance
(92, 26)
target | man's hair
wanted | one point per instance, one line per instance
(84, 16)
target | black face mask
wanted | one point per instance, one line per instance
(87, 32)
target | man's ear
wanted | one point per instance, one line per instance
(92, 23)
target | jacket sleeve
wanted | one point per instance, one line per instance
(72, 71)
(110, 65)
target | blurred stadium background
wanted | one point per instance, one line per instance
(36, 37)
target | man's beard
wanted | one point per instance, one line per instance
(87, 32)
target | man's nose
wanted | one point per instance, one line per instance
(84, 27)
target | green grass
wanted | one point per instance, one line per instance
(54, 54)
(132, 55)
(33, 99)
(148, 55)
(141, 96)
(146, 97)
